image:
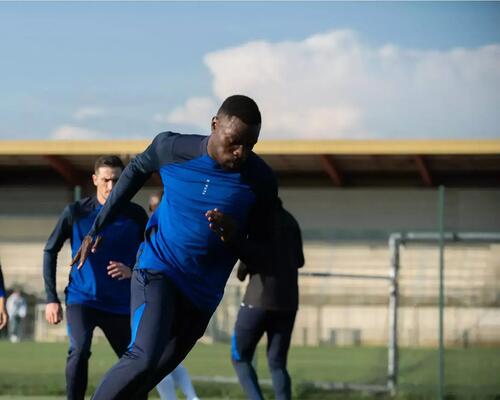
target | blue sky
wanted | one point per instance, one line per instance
(319, 69)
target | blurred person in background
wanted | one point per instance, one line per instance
(99, 294)
(179, 377)
(17, 309)
(4, 316)
(269, 306)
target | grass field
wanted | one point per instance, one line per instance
(34, 369)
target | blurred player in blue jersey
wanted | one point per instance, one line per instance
(4, 317)
(99, 294)
(218, 205)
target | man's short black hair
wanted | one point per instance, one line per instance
(242, 107)
(108, 161)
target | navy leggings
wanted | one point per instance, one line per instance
(251, 324)
(165, 327)
(81, 322)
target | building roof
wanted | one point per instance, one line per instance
(328, 163)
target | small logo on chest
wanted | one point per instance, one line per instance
(205, 188)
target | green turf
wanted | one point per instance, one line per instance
(30, 368)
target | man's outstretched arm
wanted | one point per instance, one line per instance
(61, 232)
(131, 180)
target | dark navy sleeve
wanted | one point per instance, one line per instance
(256, 247)
(61, 232)
(2, 286)
(135, 175)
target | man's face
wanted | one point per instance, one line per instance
(104, 180)
(232, 141)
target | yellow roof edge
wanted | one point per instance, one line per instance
(292, 147)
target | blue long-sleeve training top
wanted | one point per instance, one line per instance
(180, 243)
(2, 285)
(91, 285)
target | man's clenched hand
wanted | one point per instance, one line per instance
(53, 313)
(221, 224)
(119, 270)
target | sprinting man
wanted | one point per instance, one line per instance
(99, 294)
(218, 205)
(269, 306)
(4, 316)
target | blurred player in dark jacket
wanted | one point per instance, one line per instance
(269, 306)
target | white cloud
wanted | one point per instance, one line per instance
(88, 112)
(197, 111)
(335, 85)
(70, 132)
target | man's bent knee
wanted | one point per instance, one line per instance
(143, 364)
